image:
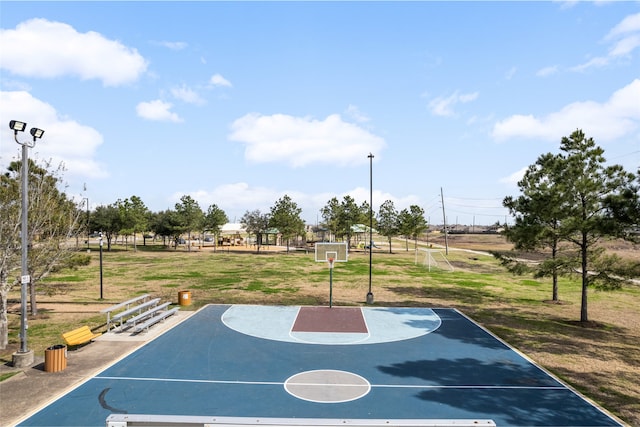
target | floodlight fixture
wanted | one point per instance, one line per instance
(36, 133)
(17, 126)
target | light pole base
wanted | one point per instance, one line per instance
(370, 298)
(22, 359)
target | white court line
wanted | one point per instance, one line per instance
(416, 386)
(177, 380)
(472, 387)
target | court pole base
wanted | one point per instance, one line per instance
(23, 359)
(370, 298)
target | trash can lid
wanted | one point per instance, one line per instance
(56, 347)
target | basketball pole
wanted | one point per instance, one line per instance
(370, 294)
(330, 282)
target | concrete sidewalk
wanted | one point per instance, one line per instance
(32, 388)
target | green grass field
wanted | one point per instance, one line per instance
(601, 359)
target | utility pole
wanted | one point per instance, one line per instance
(444, 217)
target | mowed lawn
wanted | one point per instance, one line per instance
(601, 359)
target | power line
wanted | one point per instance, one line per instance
(473, 198)
(476, 214)
(476, 207)
(625, 155)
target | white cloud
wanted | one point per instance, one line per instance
(172, 45)
(188, 95)
(357, 115)
(510, 73)
(301, 141)
(599, 61)
(64, 140)
(625, 46)
(157, 110)
(236, 196)
(46, 49)
(513, 179)
(547, 71)
(567, 4)
(361, 194)
(624, 39)
(16, 85)
(443, 106)
(630, 24)
(617, 117)
(218, 80)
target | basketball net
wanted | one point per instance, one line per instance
(330, 260)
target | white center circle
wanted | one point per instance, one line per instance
(327, 386)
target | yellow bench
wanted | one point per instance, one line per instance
(79, 336)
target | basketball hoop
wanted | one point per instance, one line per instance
(331, 252)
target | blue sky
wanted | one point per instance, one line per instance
(240, 103)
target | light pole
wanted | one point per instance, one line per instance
(86, 199)
(370, 294)
(101, 265)
(24, 357)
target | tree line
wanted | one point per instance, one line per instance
(130, 217)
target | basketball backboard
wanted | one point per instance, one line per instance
(337, 251)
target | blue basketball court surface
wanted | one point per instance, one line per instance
(285, 365)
